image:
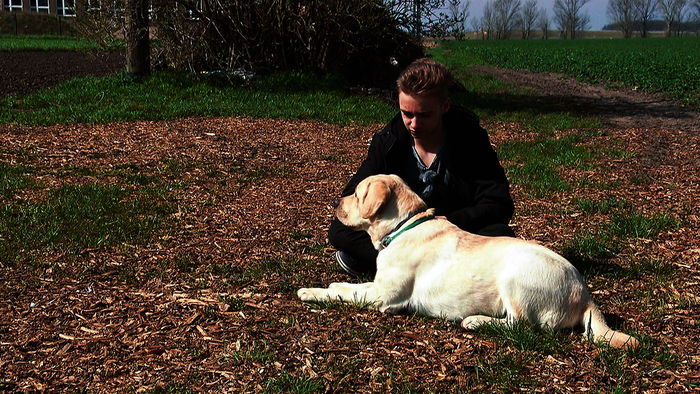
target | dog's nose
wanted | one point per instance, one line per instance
(336, 204)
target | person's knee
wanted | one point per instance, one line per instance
(356, 243)
(335, 237)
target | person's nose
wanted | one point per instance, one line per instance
(414, 122)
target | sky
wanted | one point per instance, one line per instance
(596, 9)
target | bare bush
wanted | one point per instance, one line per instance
(359, 39)
(457, 17)
(103, 25)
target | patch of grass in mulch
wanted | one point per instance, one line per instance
(207, 300)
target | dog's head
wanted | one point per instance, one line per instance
(379, 203)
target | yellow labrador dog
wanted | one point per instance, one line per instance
(430, 266)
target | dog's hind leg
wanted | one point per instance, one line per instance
(474, 321)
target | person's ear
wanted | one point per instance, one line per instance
(446, 105)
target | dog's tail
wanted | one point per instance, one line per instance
(596, 329)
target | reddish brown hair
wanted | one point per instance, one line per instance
(425, 77)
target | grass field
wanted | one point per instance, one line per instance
(170, 95)
(668, 65)
(10, 43)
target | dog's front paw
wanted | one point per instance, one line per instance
(473, 322)
(310, 295)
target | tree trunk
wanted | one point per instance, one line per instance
(138, 46)
(418, 19)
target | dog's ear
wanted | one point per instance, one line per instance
(378, 193)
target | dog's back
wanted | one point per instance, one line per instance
(458, 274)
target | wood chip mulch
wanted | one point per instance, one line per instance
(209, 304)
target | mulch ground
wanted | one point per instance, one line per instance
(209, 304)
(104, 320)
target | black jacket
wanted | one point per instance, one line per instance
(473, 191)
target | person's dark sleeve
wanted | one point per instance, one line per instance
(492, 202)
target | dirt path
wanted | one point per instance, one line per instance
(625, 108)
(28, 71)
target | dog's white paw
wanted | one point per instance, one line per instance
(473, 322)
(305, 294)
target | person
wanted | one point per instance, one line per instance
(442, 153)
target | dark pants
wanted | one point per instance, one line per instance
(358, 246)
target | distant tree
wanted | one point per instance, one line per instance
(478, 27)
(623, 14)
(543, 23)
(505, 13)
(673, 12)
(528, 17)
(457, 17)
(645, 10)
(416, 16)
(569, 17)
(488, 21)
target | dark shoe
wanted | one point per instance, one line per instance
(348, 264)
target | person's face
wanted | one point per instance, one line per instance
(422, 115)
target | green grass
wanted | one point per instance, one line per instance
(172, 388)
(286, 383)
(587, 249)
(286, 271)
(131, 173)
(658, 269)
(13, 178)
(590, 206)
(507, 371)
(533, 164)
(258, 174)
(355, 306)
(171, 95)
(77, 217)
(658, 64)
(12, 43)
(524, 337)
(637, 225)
(618, 362)
(249, 352)
(235, 303)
